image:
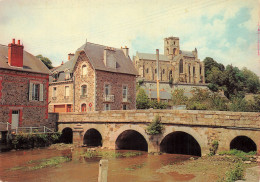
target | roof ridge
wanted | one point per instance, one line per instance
(103, 45)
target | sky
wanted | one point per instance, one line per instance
(226, 30)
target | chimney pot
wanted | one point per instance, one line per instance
(18, 42)
(13, 41)
(125, 46)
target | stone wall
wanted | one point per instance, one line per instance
(15, 96)
(117, 81)
(203, 126)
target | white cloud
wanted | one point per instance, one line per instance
(56, 28)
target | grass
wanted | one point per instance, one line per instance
(134, 167)
(109, 154)
(54, 161)
(42, 163)
(238, 153)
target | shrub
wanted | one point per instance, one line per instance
(178, 97)
(214, 147)
(155, 127)
(235, 174)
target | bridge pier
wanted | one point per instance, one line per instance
(77, 137)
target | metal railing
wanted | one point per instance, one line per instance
(41, 129)
(109, 98)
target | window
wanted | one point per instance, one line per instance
(124, 107)
(163, 71)
(54, 92)
(147, 70)
(84, 90)
(36, 91)
(194, 70)
(67, 91)
(83, 107)
(170, 75)
(107, 89)
(200, 70)
(84, 70)
(181, 66)
(155, 70)
(107, 107)
(124, 93)
(69, 108)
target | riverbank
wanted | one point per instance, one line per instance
(64, 162)
(209, 168)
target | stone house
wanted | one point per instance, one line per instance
(95, 78)
(24, 82)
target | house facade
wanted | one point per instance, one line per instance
(95, 78)
(24, 82)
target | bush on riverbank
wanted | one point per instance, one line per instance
(27, 141)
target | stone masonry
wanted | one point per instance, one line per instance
(203, 126)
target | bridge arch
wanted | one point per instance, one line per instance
(131, 140)
(92, 138)
(66, 135)
(243, 143)
(201, 140)
(180, 142)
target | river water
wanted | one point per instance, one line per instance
(14, 167)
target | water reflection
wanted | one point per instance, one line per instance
(123, 166)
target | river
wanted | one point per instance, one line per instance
(15, 166)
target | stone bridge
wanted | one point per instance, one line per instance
(185, 132)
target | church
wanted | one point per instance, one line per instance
(177, 68)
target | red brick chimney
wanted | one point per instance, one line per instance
(15, 54)
(70, 56)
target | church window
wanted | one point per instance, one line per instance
(163, 71)
(200, 70)
(147, 70)
(170, 75)
(193, 70)
(155, 70)
(174, 42)
(181, 66)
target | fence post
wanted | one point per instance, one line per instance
(103, 167)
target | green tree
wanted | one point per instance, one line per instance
(233, 81)
(178, 97)
(155, 127)
(252, 82)
(142, 100)
(210, 63)
(45, 60)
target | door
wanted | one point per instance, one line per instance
(59, 108)
(15, 119)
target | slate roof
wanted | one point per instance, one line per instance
(162, 57)
(148, 56)
(30, 62)
(164, 95)
(95, 54)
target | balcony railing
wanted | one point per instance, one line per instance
(125, 99)
(83, 96)
(109, 98)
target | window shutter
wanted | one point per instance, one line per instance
(10, 116)
(30, 90)
(20, 117)
(41, 92)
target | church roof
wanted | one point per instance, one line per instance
(30, 62)
(187, 53)
(149, 56)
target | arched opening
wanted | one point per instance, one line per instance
(84, 70)
(83, 107)
(174, 51)
(243, 143)
(131, 140)
(181, 66)
(66, 136)
(180, 143)
(92, 138)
